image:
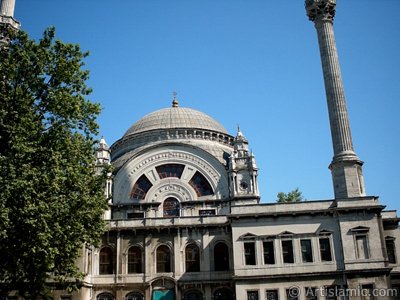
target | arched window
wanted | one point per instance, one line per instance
(221, 257)
(171, 207)
(170, 170)
(223, 294)
(193, 295)
(134, 296)
(140, 188)
(134, 260)
(163, 259)
(192, 255)
(106, 261)
(105, 296)
(201, 185)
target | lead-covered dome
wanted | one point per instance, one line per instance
(175, 117)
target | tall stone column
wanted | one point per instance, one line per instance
(7, 8)
(346, 167)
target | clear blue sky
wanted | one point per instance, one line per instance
(252, 62)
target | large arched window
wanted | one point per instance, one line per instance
(223, 294)
(201, 185)
(134, 296)
(163, 259)
(193, 295)
(170, 170)
(221, 257)
(135, 260)
(171, 207)
(105, 296)
(140, 188)
(106, 261)
(192, 256)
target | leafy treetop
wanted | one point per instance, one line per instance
(293, 196)
(51, 200)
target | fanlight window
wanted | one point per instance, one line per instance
(105, 296)
(171, 207)
(140, 188)
(163, 259)
(134, 260)
(193, 295)
(201, 185)
(223, 294)
(170, 170)
(106, 261)
(134, 296)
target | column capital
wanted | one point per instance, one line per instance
(320, 10)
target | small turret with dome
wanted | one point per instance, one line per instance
(243, 172)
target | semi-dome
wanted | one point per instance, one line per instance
(175, 117)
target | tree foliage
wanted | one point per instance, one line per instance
(293, 196)
(51, 200)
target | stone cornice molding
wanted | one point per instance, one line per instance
(320, 10)
(132, 142)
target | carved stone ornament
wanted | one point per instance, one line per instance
(320, 10)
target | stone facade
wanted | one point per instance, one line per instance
(185, 222)
(176, 234)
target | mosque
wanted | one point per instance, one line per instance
(185, 221)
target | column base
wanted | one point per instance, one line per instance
(348, 180)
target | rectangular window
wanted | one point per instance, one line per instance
(269, 253)
(287, 252)
(325, 249)
(391, 250)
(252, 295)
(306, 251)
(310, 293)
(367, 292)
(135, 215)
(250, 253)
(395, 292)
(66, 297)
(362, 247)
(292, 293)
(331, 293)
(271, 295)
(207, 212)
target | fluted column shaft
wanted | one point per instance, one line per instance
(338, 116)
(346, 167)
(7, 8)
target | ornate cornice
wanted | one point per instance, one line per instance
(320, 10)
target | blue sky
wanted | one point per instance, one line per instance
(249, 62)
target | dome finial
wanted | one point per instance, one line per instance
(175, 102)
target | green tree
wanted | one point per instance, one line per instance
(293, 196)
(51, 200)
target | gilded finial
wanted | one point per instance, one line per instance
(175, 102)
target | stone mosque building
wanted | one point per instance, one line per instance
(185, 222)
